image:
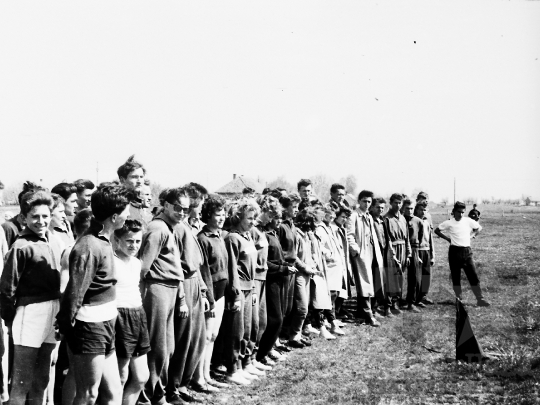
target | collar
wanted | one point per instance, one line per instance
(27, 232)
(162, 216)
(377, 220)
(363, 214)
(208, 232)
(59, 229)
(135, 204)
(390, 214)
(97, 229)
(245, 235)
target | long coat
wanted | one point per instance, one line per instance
(359, 234)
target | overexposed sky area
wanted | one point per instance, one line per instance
(402, 94)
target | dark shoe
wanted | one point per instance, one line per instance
(283, 349)
(420, 304)
(296, 344)
(204, 388)
(188, 397)
(427, 301)
(305, 341)
(175, 400)
(373, 322)
(396, 311)
(412, 308)
(482, 303)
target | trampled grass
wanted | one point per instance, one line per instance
(404, 361)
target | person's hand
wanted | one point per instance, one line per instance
(407, 262)
(211, 313)
(57, 335)
(397, 262)
(432, 262)
(420, 260)
(254, 297)
(234, 307)
(206, 305)
(355, 251)
(292, 269)
(183, 311)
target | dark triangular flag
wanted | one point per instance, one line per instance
(467, 347)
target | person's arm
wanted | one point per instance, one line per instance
(64, 269)
(151, 247)
(233, 287)
(206, 277)
(438, 232)
(14, 266)
(83, 265)
(477, 228)
(354, 248)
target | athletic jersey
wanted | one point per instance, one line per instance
(459, 231)
(128, 275)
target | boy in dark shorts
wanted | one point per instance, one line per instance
(88, 311)
(132, 341)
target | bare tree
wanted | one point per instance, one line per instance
(444, 201)
(350, 183)
(321, 186)
(281, 182)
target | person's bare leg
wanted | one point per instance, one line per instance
(110, 389)
(42, 369)
(52, 376)
(138, 367)
(88, 370)
(68, 389)
(219, 307)
(199, 375)
(5, 364)
(24, 361)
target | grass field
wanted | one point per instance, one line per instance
(403, 362)
(392, 364)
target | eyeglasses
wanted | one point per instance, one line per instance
(178, 208)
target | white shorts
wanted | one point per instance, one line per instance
(34, 324)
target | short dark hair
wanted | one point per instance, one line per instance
(407, 202)
(396, 196)
(305, 220)
(210, 206)
(32, 199)
(459, 205)
(29, 186)
(108, 200)
(365, 193)
(174, 194)
(265, 191)
(378, 200)
(267, 203)
(195, 190)
(162, 195)
(287, 201)
(57, 200)
(422, 195)
(131, 225)
(343, 210)
(130, 165)
(336, 186)
(303, 183)
(83, 184)
(422, 204)
(64, 190)
(82, 220)
(247, 190)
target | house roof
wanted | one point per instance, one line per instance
(236, 185)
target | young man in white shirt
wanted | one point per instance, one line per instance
(460, 229)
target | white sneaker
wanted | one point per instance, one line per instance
(275, 355)
(337, 322)
(247, 375)
(251, 369)
(237, 378)
(261, 366)
(310, 329)
(325, 334)
(269, 361)
(336, 330)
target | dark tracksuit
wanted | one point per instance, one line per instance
(162, 276)
(276, 282)
(259, 315)
(414, 271)
(190, 332)
(236, 325)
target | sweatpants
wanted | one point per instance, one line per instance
(462, 258)
(288, 303)
(189, 335)
(414, 278)
(274, 312)
(158, 303)
(236, 329)
(301, 303)
(425, 256)
(258, 316)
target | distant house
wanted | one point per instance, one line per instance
(532, 201)
(234, 187)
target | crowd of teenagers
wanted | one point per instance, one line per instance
(108, 300)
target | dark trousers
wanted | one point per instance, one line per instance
(414, 278)
(258, 316)
(158, 303)
(425, 256)
(274, 312)
(236, 329)
(288, 303)
(462, 258)
(189, 335)
(319, 315)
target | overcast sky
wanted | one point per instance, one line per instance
(402, 94)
